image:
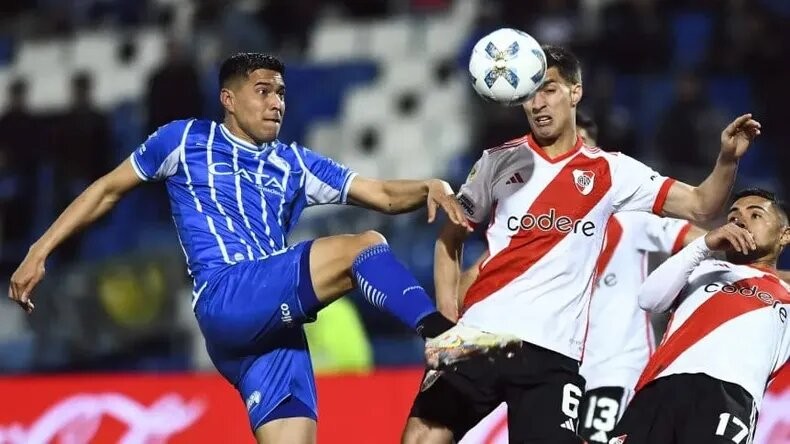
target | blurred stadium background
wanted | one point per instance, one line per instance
(380, 85)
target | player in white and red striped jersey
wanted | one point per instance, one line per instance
(548, 198)
(727, 337)
(620, 337)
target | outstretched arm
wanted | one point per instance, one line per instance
(704, 202)
(94, 202)
(402, 196)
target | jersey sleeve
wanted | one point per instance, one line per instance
(663, 234)
(157, 158)
(475, 194)
(664, 284)
(638, 187)
(326, 181)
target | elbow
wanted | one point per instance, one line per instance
(100, 186)
(392, 209)
(646, 304)
(104, 188)
(387, 201)
(651, 304)
(647, 299)
(701, 211)
(700, 217)
(389, 208)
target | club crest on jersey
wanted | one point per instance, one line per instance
(584, 181)
(472, 173)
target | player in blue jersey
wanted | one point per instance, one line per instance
(235, 193)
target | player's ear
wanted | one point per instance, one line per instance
(576, 93)
(784, 239)
(226, 99)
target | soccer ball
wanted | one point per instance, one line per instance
(507, 66)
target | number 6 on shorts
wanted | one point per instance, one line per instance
(571, 397)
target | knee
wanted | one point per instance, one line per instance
(426, 437)
(419, 431)
(292, 430)
(413, 433)
(356, 244)
(370, 238)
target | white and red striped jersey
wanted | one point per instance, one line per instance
(620, 338)
(730, 321)
(547, 220)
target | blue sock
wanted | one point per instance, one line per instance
(388, 285)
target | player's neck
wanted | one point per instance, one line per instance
(563, 144)
(766, 263)
(234, 129)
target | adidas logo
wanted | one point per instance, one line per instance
(568, 424)
(516, 178)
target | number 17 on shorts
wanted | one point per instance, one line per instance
(734, 429)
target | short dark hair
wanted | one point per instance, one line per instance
(244, 63)
(566, 62)
(767, 195)
(585, 122)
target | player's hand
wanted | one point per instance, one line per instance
(25, 278)
(440, 194)
(735, 139)
(730, 237)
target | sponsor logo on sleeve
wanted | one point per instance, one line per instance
(467, 204)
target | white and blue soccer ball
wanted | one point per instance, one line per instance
(507, 66)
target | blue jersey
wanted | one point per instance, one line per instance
(233, 201)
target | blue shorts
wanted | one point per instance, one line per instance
(251, 316)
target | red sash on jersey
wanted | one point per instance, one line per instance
(527, 247)
(718, 309)
(614, 232)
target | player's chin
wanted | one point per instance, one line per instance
(269, 132)
(544, 131)
(736, 257)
